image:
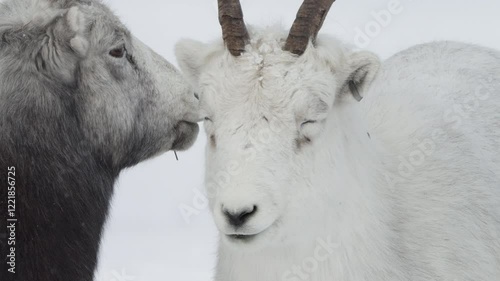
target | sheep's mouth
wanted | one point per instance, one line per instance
(247, 238)
(186, 135)
(241, 237)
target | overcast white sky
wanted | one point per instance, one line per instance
(147, 238)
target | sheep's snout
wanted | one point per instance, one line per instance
(186, 133)
(240, 216)
(245, 214)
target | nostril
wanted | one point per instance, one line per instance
(240, 217)
(197, 96)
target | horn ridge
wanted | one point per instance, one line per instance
(309, 20)
(234, 31)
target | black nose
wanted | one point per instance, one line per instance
(239, 218)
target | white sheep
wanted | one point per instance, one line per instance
(307, 183)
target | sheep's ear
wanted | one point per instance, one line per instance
(191, 56)
(63, 46)
(362, 70)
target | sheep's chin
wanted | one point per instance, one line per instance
(253, 242)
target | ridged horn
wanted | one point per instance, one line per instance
(307, 24)
(234, 31)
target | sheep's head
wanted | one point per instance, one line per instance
(268, 102)
(128, 102)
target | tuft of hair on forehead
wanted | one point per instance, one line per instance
(271, 40)
(266, 49)
(267, 40)
(77, 23)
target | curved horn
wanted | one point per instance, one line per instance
(307, 24)
(234, 31)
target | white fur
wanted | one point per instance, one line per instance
(438, 222)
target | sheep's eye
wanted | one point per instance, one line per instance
(118, 52)
(208, 119)
(308, 122)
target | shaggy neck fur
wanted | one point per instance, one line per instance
(60, 208)
(347, 235)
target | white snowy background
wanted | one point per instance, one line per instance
(147, 238)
